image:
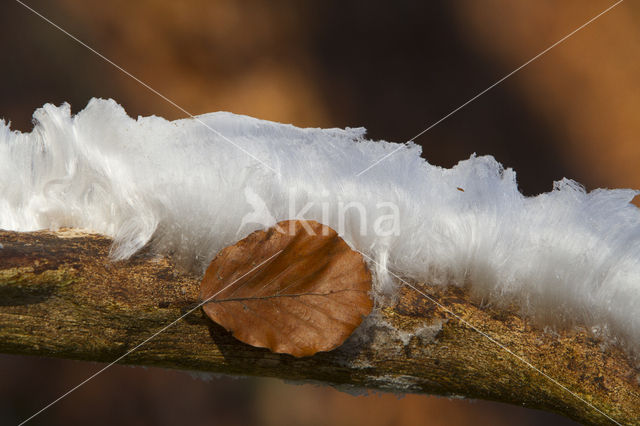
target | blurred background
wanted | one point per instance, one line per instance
(392, 67)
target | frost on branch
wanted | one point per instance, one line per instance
(565, 257)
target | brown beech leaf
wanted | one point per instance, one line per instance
(296, 288)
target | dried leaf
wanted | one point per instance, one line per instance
(296, 288)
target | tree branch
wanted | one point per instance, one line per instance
(61, 296)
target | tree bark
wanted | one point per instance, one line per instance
(61, 296)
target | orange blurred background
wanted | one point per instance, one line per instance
(394, 68)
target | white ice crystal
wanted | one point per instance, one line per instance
(566, 256)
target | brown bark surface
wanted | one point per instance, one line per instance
(61, 296)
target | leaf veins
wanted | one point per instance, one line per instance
(309, 295)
